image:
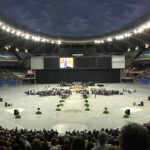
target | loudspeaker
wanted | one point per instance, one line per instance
(1, 99)
(101, 85)
(149, 98)
(5, 104)
(142, 103)
(127, 111)
(16, 112)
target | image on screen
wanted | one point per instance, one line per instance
(66, 62)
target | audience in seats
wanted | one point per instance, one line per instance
(7, 75)
(131, 137)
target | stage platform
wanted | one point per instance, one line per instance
(73, 114)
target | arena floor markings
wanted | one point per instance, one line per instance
(73, 114)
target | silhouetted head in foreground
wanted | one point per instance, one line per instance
(134, 137)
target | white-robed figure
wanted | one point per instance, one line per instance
(66, 64)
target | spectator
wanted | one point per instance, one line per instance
(134, 137)
(102, 137)
(54, 144)
(77, 143)
(36, 144)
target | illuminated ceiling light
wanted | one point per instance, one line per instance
(47, 40)
(128, 34)
(140, 30)
(95, 41)
(129, 50)
(4, 27)
(13, 31)
(6, 47)
(17, 50)
(146, 45)
(27, 36)
(8, 29)
(135, 31)
(22, 34)
(137, 48)
(43, 40)
(98, 42)
(18, 33)
(37, 38)
(109, 39)
(26, 50)
(33, 37)
(52, 42)
(119, 37)
(148, 25)
(59, 42)
(102, 41)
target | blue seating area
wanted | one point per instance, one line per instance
(8, 56)
(10, 82)
(144, 81)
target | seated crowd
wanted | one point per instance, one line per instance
(49, 92)
(131, 137)
(104, 91)
(7, 75)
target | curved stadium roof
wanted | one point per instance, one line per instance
(78, 21)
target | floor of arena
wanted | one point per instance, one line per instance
(73, 114)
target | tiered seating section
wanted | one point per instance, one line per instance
(8, 78)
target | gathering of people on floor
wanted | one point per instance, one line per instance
(129, 90)
(104, 91)
(132, 136)
(49, 92)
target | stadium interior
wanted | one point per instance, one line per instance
(61, 92)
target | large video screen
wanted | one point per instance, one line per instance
(66, 62)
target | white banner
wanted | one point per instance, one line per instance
(118, 62)
(37, 62)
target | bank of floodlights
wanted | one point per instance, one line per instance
(124, 35)
(37, 38)
(26, 35)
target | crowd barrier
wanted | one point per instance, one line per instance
(10, 82)
(142, 80)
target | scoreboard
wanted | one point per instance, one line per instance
(82, 62)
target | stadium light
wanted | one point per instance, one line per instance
(3, 27)
(27, 36)
(43, 40)
(59, 42)
(95, 41)
(13, 31)
(17, 50)
(26, 50)
(129, 50)
(102, 41)
(137, 48)
(18, 33)
(109, 39)
(52, 42)
(8, 29)
(146, 45)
